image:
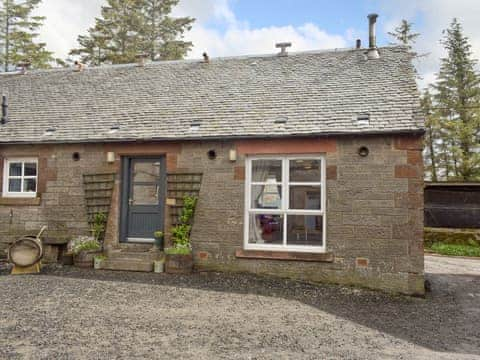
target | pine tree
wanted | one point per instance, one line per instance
(161, 33)
(128, 28)
(432, 134)
(458, 99)
(404, 34)
(18, 35)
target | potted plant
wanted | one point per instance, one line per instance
(159, 243)
(179, 258)
(86, 248)
(84, 251)
(97, 261)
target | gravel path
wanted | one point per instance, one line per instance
(67, 313)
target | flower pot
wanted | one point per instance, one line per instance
(97, 262)
(84, 259)
(159, 266)
(179, 264)
(159, 243)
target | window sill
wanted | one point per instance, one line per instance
(285, 255)
(20, 201)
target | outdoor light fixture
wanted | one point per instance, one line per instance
(110, 157)
(232, 155)
(363, 151)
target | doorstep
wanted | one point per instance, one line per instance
(122, 260)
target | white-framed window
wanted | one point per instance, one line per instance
(285, 203)
(20, 177)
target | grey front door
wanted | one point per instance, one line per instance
(143, 198)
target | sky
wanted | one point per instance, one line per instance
(245, 27)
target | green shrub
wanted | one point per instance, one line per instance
(181, 232)
(178, 251)
(456, 250)
(99, 225)
(89, 245)
(158, 234)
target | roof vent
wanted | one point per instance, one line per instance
(372, 37)
(4, 109)
(114, 128)
(283, 46)
(363, 119)
(195, 125)
(281, 120)
(49, 131)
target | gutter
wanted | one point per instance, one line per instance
(418, 132)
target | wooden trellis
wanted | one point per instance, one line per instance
(180, 185)
(98, 193)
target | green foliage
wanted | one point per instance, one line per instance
(456, 249)
(158, 234)
(89, 245)
(404, 34)
(18, 34)
(100, 257)
(178, 251)
(181, 232)
(127, 28)
(457, 100)
(99, 225)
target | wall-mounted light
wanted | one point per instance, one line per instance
(110, 157)
(363, 151)
(232, 155)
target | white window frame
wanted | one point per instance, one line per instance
(285, 211)
(6, 177)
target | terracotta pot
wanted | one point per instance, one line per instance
(179, 264)
(84, 259)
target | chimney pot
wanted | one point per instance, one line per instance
(283, 46)
(372, 37)
(358, 44)
(206, 58)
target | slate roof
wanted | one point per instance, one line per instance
(311, 93)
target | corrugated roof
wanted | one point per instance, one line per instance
(313, 93)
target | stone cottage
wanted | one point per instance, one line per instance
(306, 165)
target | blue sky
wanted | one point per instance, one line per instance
(240, 27)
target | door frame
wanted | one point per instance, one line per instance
(125, 170)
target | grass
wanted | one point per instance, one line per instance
(455, 249)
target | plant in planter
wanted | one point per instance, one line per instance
(179, 259)
(97, 261)
(159, 243)
(86, 248)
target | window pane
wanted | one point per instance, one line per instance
(14, 185)
(266, 170)
(304, 230)
(29, 185)
(145, 194)
(305, 198)
(146, 171)
(307, 170)
(266, 197)
(30, 169)
(15, 169)
(266, 229)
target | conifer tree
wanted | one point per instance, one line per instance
(18, 35)
(457, 98)
(404, 34)
(432, 134)
(128, 28)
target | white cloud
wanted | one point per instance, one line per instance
(216, 30)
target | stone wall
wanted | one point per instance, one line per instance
(374, 205)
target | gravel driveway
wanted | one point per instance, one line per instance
(73, 314)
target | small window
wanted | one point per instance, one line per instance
(20, 177)
(285, 203)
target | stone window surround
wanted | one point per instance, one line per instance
(250, 249)
(19, 195)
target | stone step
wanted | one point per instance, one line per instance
(126, 264)
(135, 255)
